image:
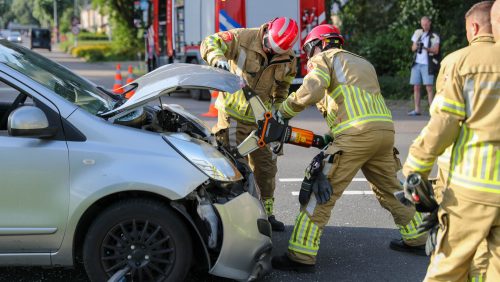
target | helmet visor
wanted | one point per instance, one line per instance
(309, 48)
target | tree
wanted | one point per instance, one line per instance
(122, 15)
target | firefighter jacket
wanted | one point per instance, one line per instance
(345, 88)
(444, 160)
(242, 48)
(465, 114)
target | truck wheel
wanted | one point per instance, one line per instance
(140, 237)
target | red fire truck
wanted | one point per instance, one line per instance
(177, 27)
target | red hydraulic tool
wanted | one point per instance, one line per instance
(270, 130)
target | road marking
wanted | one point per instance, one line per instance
(358, 179)
(296, 193)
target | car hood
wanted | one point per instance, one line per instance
(174, 77)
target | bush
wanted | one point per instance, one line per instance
(395, 87)
(87, 36)
(92, 53)
(103, 52)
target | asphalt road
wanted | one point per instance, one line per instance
(354, 245)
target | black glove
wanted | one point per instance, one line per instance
(322, 189)
(222, 64)
(430, 223)
(311, 173)
(305, 191)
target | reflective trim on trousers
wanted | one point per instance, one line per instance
(305, 236)
(477, 278)
(409, 231)
(269, 206)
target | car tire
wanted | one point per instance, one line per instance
(143, 235)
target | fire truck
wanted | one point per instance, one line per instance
(177, 27)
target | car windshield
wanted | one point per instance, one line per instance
(15, 33)
(56, 78)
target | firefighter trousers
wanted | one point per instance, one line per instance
(479, 264)
(232, 132)
(372, 152)
(464, 226)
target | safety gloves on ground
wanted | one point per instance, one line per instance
(315, 182)
(222, 64)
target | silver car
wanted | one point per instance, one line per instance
(137, 192)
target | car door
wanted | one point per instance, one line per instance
(34, 179)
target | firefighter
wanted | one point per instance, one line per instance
(465, 115)
(265, 59)
(346, 90)
(478, 30)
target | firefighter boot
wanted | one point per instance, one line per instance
(283, 262)
(275, 224)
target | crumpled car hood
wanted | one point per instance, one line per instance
(172, 77)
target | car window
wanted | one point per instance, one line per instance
(56, 78)
(10, 99)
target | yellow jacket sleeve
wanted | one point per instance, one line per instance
(316, 82)
(219, 46)
(447, 113)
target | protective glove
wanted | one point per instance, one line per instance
(322, 189)
(430, 223)
(327, 137)
(305, 191)
(279, 117)
(311, 172)
(222, 64)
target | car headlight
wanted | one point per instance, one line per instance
(204, 156)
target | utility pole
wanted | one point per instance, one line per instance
(75, 8)
(56, 21)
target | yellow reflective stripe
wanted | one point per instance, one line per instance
(419, 165)
(452, 106)
(409, 231)
(305, 236)
(354, 98)
(496, 170)
(362, 120)
(287, 109)
(348, 102)
(369, 98)
(322, 74)
(490, 186)
(336, 92)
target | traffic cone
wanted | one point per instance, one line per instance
(212, 111)
(130, 78)
(118, 81)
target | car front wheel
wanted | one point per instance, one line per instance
(142, 239)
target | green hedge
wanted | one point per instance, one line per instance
(103, 52)
(87, 36)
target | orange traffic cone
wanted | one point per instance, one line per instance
(118, 81)
(130, 78)
(212, 111)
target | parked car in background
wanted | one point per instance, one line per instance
(137, 192)
(40, 38)
(14, 36)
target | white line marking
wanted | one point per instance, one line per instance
(296, 193)
(358, 179)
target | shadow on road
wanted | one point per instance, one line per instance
(347, 254)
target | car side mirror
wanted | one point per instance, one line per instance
(29, 121)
